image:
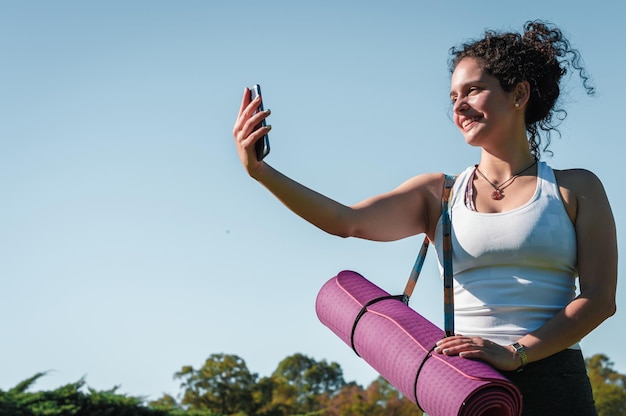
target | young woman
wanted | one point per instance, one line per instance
(522, 232)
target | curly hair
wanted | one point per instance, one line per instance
(541, 56)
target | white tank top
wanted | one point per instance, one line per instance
(515, 270)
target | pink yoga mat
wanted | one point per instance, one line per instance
(396, 341)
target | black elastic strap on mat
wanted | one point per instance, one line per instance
(417, 376)
(364, 309)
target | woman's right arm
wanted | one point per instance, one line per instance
(399, 213)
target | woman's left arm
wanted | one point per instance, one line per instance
(589, 209)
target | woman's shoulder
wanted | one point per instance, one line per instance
(577, 179)
(425, 180)
(426, 189)
(581, 188)
(432, 182)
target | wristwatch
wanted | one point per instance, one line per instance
(521, 351)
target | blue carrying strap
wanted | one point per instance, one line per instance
(448, 283)
(448, 287)
(415, 271)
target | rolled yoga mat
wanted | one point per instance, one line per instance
(397, 342)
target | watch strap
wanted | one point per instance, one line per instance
(521, 351)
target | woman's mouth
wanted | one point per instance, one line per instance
(467, 123)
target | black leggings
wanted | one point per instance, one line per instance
(557, 385)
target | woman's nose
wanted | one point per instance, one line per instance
(460, 105)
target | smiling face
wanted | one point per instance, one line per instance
(483, 112)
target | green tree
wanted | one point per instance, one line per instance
(390, 400)
(71, 399)
(300, 381)
(609, 386)
(223, 385)
(352, 400)
(165, 402)
(274, 398)
(379, 399)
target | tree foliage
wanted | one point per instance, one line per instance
(379, 399)
(70, 399)
(300, 386)
(609, 387)
(301, 381)
(223, 384)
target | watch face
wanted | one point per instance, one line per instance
(521, 351)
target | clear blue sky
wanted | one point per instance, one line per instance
(131, 240)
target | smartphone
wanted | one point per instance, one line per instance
(262, 146)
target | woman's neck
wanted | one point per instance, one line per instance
(501, 166)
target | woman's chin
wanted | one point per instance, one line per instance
(471, 139)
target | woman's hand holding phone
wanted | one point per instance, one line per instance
(262, 146)
(249, 129)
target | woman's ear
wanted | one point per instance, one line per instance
(522, 94)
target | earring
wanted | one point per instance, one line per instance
(516, 105)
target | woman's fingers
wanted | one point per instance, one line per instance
(249, 129)
(247, 108)
(245, 100)
(458, 343)
(245, 130)
(498, 356)
(248, 140)
(248, 118)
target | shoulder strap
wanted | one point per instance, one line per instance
(415, 271)
(448, 284)
(447, 260)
